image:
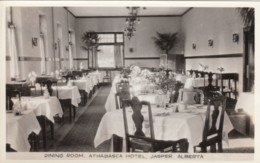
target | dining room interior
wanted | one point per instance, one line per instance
(130, 79)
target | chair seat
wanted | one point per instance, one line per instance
(210, 141)
(150, 145)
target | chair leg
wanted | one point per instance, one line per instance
(74, 112)
(203, 149)
(220, 146)
(52, 130)
(213, 148)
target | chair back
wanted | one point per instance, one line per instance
(77, 74)
(9, 94)
(177, 87)
(214, 117)
(190, 96)
(123, 93)
(138, 120)
(68, 76)
(25, 90)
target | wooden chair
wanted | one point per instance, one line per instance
(123, 93)
(213, 128)
(77, 74)
(210, 91)
(138, 140)
(177, 87)
(9, 94)
(107, 77)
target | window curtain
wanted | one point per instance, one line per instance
(71, 39)
(118, 56)
(59, 54)
(14, 67)
(42, 51)
(70, 57)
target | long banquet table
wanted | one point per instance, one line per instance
(168, 125)
(110, 102)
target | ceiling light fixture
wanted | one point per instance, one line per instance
(131, 21)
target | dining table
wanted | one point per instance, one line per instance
(67, 92)
(110, 102)
(84, 83)
(98, 75)
(43, 108)
(246, 101)
(246, 104)
(18, 129)
(168, 124)
(195, 82)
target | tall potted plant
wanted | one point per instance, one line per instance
(165, 42)
(90, 40)
(248, 17)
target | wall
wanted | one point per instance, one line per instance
(26, 20)
(201, 24)
(142, 44)
(60, 17)
(71, 27)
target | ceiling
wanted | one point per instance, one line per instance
(123, 11)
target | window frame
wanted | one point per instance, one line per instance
(114, 43)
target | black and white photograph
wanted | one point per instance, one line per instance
(131, 80)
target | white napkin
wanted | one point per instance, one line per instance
(46, 94)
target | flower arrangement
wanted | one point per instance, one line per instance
(203, 67)
(146, 74)
(81, 66)
(135, 71)
(32, 77)
(220, 69)
(163, 81)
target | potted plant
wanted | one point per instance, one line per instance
(248, 17)
(90, 40)
(165, 42)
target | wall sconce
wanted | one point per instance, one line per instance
(131, 50)
(34, 41)
(193, 46)
(211, 42)
(67, 48)
(235, 38)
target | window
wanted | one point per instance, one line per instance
(110, 52)
(42, 42)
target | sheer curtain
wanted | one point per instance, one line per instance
(70, 50)
(14, 67)
(42, 51)
(118, 56)
(70, 57)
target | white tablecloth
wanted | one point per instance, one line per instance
(18, 128)
(197, 82)
(111, 103)
(48, 107)
(94, 77)
(68, 92)
(99, 76)
(155, 98)
(84, 84)
(181, 78)
(168, 125)
(246, 102)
